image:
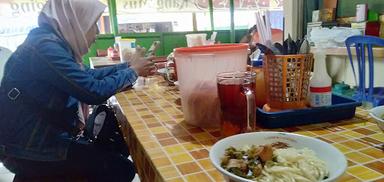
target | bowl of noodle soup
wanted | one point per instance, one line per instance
(377, 113)
(301, 158)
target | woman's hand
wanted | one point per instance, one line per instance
(142, 66)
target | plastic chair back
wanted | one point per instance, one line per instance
(361, 43)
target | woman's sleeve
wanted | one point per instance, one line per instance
(59, 69)
(100, 73)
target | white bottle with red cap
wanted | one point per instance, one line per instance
(320, 85)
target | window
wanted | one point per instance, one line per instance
(155, 15)
(245, 13)
(177, 15)
(18, 17)
(104, 21)
(155, 22)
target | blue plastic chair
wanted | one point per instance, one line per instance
(361, 43)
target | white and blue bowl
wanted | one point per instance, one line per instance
(377, 113)
(334, 159)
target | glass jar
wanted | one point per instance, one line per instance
(257, 67)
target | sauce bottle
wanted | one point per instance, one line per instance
(257, 67)
(320, 85)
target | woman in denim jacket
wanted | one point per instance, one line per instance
(41, 91)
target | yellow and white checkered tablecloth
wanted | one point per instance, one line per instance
(165, 148)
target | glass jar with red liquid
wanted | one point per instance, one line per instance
(237, 102)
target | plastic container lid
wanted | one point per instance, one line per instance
(212, 48)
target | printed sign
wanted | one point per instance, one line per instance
(141, 6)
(15, 8)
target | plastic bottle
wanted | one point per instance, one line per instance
(320, 85)
(110, 52)
(116, 46)
(257, 67)
(116, 50)
(115, 54)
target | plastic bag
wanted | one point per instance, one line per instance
(334, 37)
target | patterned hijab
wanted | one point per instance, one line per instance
(75, 21)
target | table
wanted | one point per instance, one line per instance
(165, 148)
(99, 62)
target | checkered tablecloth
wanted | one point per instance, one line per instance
(165, 148)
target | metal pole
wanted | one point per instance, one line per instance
(113, 16)
(211, 14)
(232, 12)
(194, 21)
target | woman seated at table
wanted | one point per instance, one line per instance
(42, 95)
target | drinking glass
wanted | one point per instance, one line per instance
(237, 102)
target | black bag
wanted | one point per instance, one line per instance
(103, 129)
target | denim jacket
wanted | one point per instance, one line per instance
(39, 96)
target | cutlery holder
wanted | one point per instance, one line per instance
(287, 80)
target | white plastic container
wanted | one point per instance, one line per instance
(320, 85)
(361, 12)
(126, 46)
(197, 68)
(196, 39)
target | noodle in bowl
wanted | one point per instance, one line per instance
(306, 158)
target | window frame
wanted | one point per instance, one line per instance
(115, 30)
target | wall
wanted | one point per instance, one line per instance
(309, 6)
(340, 69)
(348, 7)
